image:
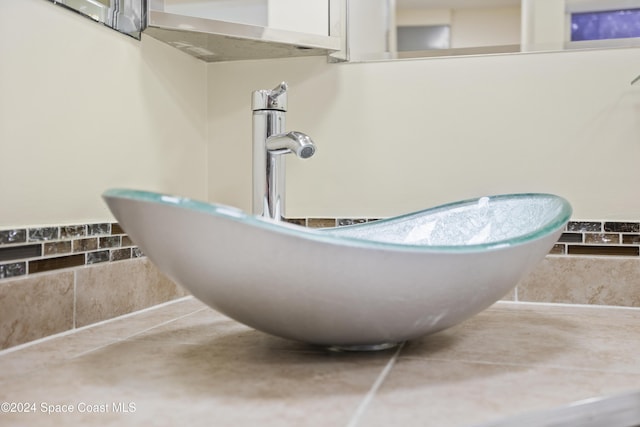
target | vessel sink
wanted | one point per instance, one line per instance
(360, 287)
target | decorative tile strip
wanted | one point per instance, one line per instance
(321, 222)
(73, 231)
(109, 242)
(582, 226)
(350, 221)
(631, 239)
(120, 254)
(632, 251)
(116, 229)
(25, 251)
(19, 252)
(32, 250)
(13, 236)
(57, 248)
(297, 221)
(602, 238)
(13, 269)
(98, 256)
(83, 245)
(98, 229)
(584, 238)
(43, 233)
(571, 238)
(622, 227)
(48, 264)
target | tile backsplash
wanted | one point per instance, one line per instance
(40, 249)
(38, 305)
(58, 277)
(597, 238)
(25, 251)
(593, 262)
(600, 238)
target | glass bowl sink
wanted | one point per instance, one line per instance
(366, 286)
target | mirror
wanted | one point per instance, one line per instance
(125, 16)
(397, 29)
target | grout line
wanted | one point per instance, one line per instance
(75, 290)
(568, 305)
(355, 419)
(117, 340)
(166, 322)
(92, 325)
(524, 365)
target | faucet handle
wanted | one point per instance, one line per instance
(275, 99)
(279, 90)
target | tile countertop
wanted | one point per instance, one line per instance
(182, 363)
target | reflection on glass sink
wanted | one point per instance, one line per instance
(365, 286)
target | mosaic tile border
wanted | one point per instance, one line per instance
(599, 238)
(585, 238)
(30, 250)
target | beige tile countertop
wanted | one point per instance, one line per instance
(183, 364)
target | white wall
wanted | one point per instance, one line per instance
(84, 108)
(400, 136)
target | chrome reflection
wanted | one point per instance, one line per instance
(124, 16)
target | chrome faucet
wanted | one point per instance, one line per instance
(270, 143)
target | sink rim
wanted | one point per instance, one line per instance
(333, 236)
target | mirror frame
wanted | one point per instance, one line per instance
(125, 16)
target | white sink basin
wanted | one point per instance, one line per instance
(366, 286)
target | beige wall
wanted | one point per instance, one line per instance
(419, 16)
(399, 136)
(83, 109)
(544, 23)
(485, 27)
(469, 27)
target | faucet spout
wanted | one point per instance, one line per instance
(270, 142)
(294, 142)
